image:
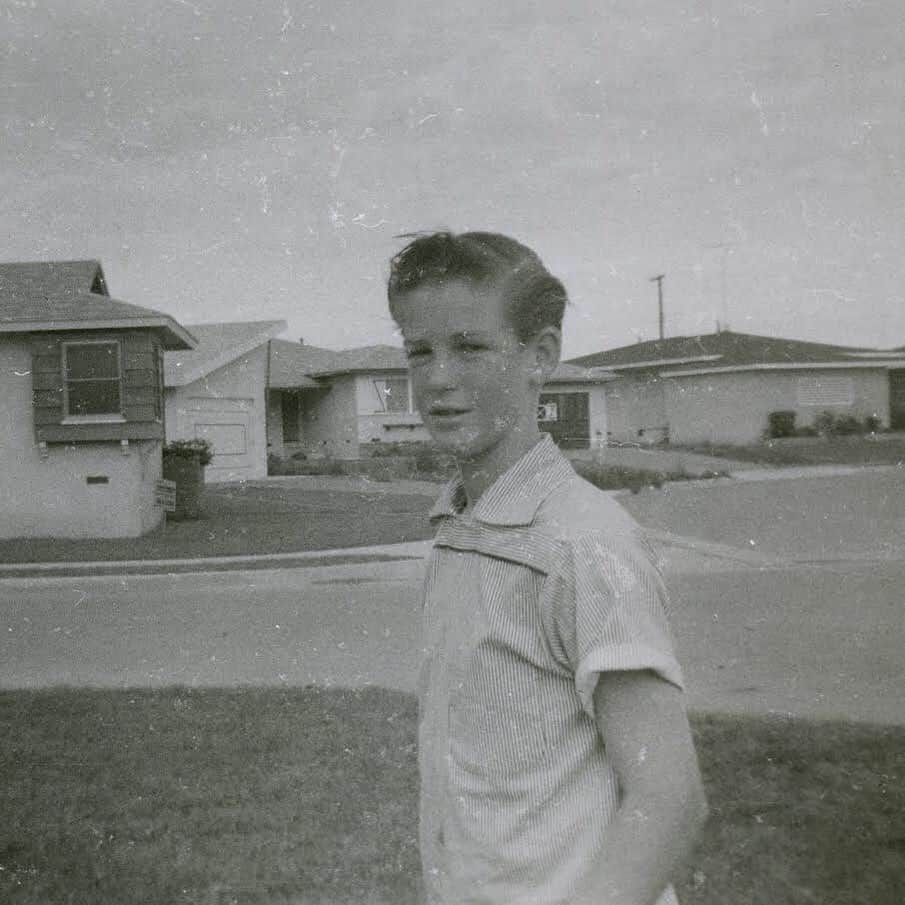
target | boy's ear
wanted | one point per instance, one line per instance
(547, 346)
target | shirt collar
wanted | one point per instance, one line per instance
(516, 495)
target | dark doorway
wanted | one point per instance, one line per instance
(897, 399)
(566, 417)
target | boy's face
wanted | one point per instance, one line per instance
(474, 382)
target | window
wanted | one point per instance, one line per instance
(548, 411)
(393, 395)
(827, 390)
(92, 377)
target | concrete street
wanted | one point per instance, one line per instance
(808, 620)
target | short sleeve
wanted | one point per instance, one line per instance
(613, 613)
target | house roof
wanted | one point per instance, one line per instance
(296, 365)
(218, 344)
(291, 364)
(365, 358)
(44, 279)
(728, 350)
(51, 296)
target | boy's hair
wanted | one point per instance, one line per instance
(534, 297)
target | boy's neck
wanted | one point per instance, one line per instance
(478, 474)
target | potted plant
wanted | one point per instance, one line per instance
(183, 463)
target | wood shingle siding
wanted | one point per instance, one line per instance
(141, 392)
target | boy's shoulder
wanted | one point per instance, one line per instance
(575, 509)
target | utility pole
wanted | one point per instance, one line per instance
(659, 281)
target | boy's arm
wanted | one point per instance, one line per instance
(643, 723)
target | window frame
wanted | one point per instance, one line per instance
(98, 418)
(382, 395)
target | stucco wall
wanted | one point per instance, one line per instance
(329, 423)
(228, 408)
(48, 495)
(636, 408)
(733, 408)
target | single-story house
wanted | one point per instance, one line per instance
(335, 403)
(722, 387)
(218, 392)
(81, 403)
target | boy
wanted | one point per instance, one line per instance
(555, 756)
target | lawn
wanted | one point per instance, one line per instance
(241, 519)
(859, 450)
(282, 517)
(309, 796)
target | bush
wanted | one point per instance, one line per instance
(828, 424)
(781, 424)
(197, 446)
(846, 425)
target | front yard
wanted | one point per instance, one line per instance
(879, 449)
(244, 519)
(285, 516)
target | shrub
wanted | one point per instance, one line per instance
(781, 424)
(872, 424)
(196, 446)
(846, 425)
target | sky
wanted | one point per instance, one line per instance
(250, 160)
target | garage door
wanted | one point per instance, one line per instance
(228, 425)
(566, 417)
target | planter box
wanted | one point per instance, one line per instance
(188, 474)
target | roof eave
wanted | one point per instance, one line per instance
(190, 375)
(176, 337)
(866, 364)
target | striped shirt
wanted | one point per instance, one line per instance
(545, 584)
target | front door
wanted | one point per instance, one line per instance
(897, 399)
(566, 417)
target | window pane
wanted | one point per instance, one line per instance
(397, 395)
(94, 397)
(392, 394)
(92, 361)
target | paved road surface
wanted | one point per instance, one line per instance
(757, 630)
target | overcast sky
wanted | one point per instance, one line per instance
(252, 160)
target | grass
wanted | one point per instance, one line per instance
(619, 477)
(281, 517)
(861, 450)
(310, 796)
(240, 519)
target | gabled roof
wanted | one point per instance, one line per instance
(45, 279)
(365, 358)
(294, 365)
(291, 364)
(727, 350)
(218, 345)
(56, 296)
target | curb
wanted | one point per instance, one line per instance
(307, 559)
